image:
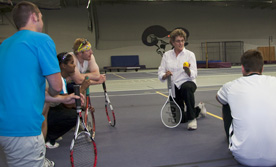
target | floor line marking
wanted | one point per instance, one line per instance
(218, 117)
(161, 94)
(119, 76)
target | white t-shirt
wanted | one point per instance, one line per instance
(252, 101)
(82, 68)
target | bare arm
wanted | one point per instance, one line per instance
(93, 74)
(66, 99)
(45, 114)
(85, 84)
(55, 84)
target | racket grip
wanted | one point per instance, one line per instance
(169, 82)
(87, 90)
(77, 92)
(104, 87)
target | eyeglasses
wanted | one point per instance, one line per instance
(178, 41)
(83, 43)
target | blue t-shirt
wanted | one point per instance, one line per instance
(25, 59)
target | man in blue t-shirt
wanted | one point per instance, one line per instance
(27, 58)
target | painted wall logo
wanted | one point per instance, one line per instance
(157, 35)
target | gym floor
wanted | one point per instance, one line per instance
(139, 138)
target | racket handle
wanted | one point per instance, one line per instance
(169, 82)
(77, 92)
(104, 87)
(87, 90)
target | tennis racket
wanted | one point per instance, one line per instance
(83, 150)
(171, 114)
(109, 108)
(89, 118)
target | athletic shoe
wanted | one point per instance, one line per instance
(203, 111)
(51, 146)
(59, 139)
(48, 163)
(192, 125)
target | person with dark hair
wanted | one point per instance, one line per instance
(249, 113)
(27, 60)
(62, 117)
(183, 78)
(86, 65)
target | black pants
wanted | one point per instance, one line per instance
(186, 94)
(60, 121)
(227, 119)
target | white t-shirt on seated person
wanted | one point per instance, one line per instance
(252, 100)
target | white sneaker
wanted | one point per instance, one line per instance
(59, 139)
(192, 125)
(50, 146)
(203, 111)
(48, 163)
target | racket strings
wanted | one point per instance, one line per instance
(84, 151)
(171, 114)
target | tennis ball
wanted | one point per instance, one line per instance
(186, 64)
